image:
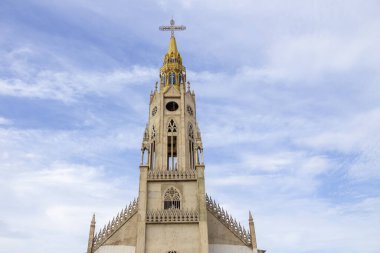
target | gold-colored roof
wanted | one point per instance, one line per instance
(172, 46)
(172, 64)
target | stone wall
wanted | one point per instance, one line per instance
(222, 248)
(116, 249)
(126, 235)
(182, 238)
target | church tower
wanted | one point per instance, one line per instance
(173, 213)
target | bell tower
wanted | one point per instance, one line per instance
(173, 213)
(172, 138)
(172, 170)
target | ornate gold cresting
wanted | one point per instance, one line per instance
(172, 72)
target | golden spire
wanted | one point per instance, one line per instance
(172, 46)
(172, 72)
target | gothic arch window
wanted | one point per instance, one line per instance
(172, 127)
(153, 136)
(180, 78)
(153, 148)
(171, 78)
(163, 80)
(172, 146)
(144, 156)
(200, 155)
(191, 145)
(172, 199)
(191, 131)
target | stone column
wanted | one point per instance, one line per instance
(141, 213)
(203, 231)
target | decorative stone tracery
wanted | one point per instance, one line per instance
(172, 216)
(172, 199)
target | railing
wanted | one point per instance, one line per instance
(115, 224)
(172, 216)
(163, 175)
(228, 221)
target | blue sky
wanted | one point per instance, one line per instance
(288, 103)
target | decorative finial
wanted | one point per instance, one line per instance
(172, 27)
(93, 219)
(155, 86)
(250, 216)
(188, 86)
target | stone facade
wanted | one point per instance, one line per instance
(172, 214)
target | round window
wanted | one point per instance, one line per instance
(172, 106)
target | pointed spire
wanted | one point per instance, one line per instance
(252, 231)
(91, 235)
(172, 46)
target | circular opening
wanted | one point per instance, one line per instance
(172, 106)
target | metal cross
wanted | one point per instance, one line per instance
(172, 27)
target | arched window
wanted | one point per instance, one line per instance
(144, 156)
(179, 78)
(172, 199)
(153, 135)
(163, 79)
(171, 78)
(172, 146)
(199, 155)
(191, 145)
(153, 148)
(172, 127)
(191, 131)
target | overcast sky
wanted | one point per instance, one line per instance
(288, 103)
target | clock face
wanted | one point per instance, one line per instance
(154, 111)
(172, 106)
(189, 110)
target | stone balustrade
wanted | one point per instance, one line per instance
(172, 216)
(163, 175)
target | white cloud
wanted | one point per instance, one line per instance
(44, 145)
(288, 91)
(68, 87)
(5, 121)
(55, 198)
(28, 79)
